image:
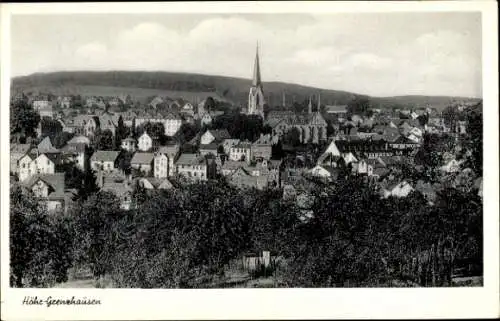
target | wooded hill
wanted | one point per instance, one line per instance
(141, 84)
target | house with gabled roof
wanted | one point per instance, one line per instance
(45, 146)
(228, 143)
(241, 151)
(143, 162)
(145, 142)
(50, 189)
(192, 166)
(109, 122)
(104, 160)
(242, 178)
(24, 168)
(44, 106)
(170, 152)
(123, 190)
(76, 153)
(212, 148)
(153, 183)
(17, 151)
(86, 124)
(214, 135)
(262, 147)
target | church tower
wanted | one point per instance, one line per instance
(256, 99)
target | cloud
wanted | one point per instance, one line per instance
(359, 53)
(91, 50)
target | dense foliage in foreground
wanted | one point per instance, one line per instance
(185, 237)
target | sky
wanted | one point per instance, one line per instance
(378, 54)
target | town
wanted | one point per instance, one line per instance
(61, 146)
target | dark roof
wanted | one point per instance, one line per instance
(219, 134)
(190, 159)
(142, 158)
(264, 140)
(169, 149)
(212, 146)
(105, 155)
(74, 148)
(18, 150)
(54, 181)
(55, 158)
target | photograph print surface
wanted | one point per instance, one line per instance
(266, 150)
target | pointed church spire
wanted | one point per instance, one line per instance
(310, 106)
(284, 99)
(256, 69)
(319, 102)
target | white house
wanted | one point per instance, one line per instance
(145, 142)
(172, 123)
(24, 168)
(160, 165)
(192, 166)
(17, 151)
(364, 168)
(331, 151)
(171, 152)
(241, 151)
(228, 143)
(43, 164)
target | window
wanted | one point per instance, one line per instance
(48, 162)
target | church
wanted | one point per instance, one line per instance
(311, 125)
(256, 99)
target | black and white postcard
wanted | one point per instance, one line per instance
(249, 160)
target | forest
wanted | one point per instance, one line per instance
(186, 237)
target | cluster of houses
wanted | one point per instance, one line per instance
(373, 147)
(375, 153)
